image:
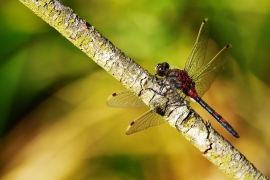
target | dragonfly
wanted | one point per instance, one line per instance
(192, 82)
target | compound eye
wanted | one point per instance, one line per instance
(166, 65)
(162, 68)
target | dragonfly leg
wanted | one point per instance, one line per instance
(162, 86)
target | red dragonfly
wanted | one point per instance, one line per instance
(193, 82)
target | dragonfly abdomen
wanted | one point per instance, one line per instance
(218, 117)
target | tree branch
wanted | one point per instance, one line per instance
(177, 111)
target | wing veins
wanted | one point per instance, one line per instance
(124, 99)
(206, 75)
(146, 120)
(197, 56)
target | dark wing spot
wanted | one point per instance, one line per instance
(228, 46)
(114, 94)
(132, 123)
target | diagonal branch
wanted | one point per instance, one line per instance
(177, 111)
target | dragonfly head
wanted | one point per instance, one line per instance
(162, 69)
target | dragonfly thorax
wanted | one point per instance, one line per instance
(181, 80)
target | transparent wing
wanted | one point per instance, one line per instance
(197, 56)
(206, 76)
(124, 99)
(146, 120)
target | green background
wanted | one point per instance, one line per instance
(54, 122)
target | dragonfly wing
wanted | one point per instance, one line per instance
(206, 76)
(197, 56)
(124, 99)
(148, 119)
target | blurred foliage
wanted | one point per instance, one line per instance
(54, 123)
